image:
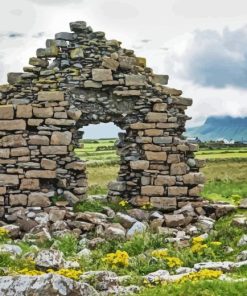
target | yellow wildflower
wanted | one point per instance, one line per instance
(123, 203)
(160, 254)
(120, 259)
(198, 248)
(69, 273)
(30, 272)
(216, 243)
(173, 262)
(204, 274)
(3, 232)
(197, 240)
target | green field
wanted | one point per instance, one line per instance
(225, 170)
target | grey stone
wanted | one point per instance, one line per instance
(49, 284)
(242, 241)
(12, 249)
(138, 227)
(49, 259)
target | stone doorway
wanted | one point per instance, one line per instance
(101, 152)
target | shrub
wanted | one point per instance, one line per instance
(68, 244)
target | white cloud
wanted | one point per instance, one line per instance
(212, 59)
(55, 2)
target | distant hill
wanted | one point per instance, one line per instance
(214, 128)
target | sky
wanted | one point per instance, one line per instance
(201, 45)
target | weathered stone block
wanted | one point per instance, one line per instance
(2, 190)
(165, 180)
(61, 138)
(136, 80)
(38, 140)
(38, 199)
(29, 184)
(193, 178)
(14, 77)
(18, 199)
(38, 62)
(6, 112)
(48, 164)
(65, 36)
(173, 158)
(178, 168)
(177, 191)
(43, 112)
(35, 122)
(102, 74)
(51, 96)
(159, 156)
(21, 151)
(152, 190)
(43, 174)
(12, 125)
(76, 165)
(151, 147)
(182, 101)
(4, 153)
(161, 79)
(171, 91)
(156, 117)
(127, 63)
(8, 180)
(117, 186)
(77, 53)
(166, 203)
(13, 141)
(78, 26)
(110, 63)
(56, 215)
(127, 93)
(56, 150)
(141, 62)
(92, 84)
(174, 220)
(162, 140)
(153, 132)
(142, 125)
(24, 111)
(196, 191)
(159, 107)
(139, 164)
(74, 114)
(60, 122)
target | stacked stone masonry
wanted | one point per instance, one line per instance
(82, 78)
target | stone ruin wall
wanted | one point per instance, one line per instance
(81, 78)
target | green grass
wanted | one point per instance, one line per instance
(200, 288)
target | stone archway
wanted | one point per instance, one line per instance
(91, 80)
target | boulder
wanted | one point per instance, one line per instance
(243, 204)
(174, 220)
(12, 249)
(47, 284)
(242, 241)
(115, 230)
(49, 259)
(224, 266)
(138, 227)
(125, 220)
